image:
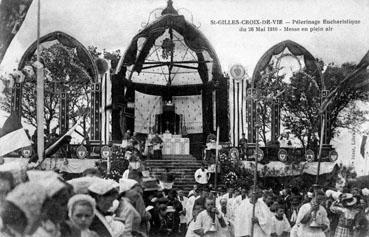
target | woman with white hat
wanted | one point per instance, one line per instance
(104, 192)
(81, 211)
(22, 210)
(126, 211)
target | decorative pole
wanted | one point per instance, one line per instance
(255, 177)
(216, 159)
(254, 101)
(323, 120)
(40, 93)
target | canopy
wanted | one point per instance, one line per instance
(170, 52)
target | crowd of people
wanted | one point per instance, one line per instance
(41, 203)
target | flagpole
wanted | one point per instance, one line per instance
(40, 93)
(216, 160)
(320, 150)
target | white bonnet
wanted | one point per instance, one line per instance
(126, 184)
(103, 186)
(29, 197)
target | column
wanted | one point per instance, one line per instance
(251, 115)
(276, 118)
(95, 114)
(326, 122)
(16, 104)
(63, 113)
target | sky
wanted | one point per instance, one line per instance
(111, 24)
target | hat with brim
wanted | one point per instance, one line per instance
(348, 200)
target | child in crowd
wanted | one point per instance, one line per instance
(280, 225)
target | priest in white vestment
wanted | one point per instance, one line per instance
(312, 212)
(243, 217)
(265, 203)
(210, 222)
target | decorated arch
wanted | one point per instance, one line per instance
(66, 40)
(88, 63)
(170, 62)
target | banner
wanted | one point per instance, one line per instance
(191, 109)
(146, 107)
(13, 13)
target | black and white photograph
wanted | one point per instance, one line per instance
(184, 118)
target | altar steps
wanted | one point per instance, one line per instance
(183, 168)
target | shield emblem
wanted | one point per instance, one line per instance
(81, 152)
(282, 155)
(333, 155)
(234, 154)
(260, 154)
(105, 152)
(27, 152)
(309, 156)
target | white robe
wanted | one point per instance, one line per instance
(202, 177)
(304, 230)
(183, 218)
(190, 229)
(204, 222)
(189, 207)
(268, 215)
(280, 226)
(243, 217)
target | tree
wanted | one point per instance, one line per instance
(300, 103)
(269, 86)
(302, 98)
(112, 56)
(63, 72)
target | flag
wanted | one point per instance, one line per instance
(13, 13)
(69, 133)
(12, 135)
(363, 144)
(350, 81)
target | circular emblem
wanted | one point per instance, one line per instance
(309, 155)
(238, 72)
(234, 154)
(105, 152)
(333, 155)
(27, 152)
(282, 155)
(81, 152)
(260, 154)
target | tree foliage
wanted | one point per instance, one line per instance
(112, 56)
(301, 100)
(63, 72)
